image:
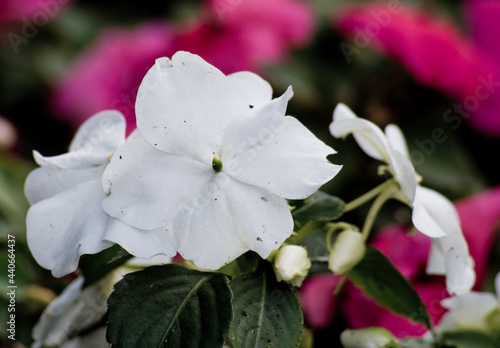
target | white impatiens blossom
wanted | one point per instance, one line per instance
(432, 213)
(66, 219)
(478, 311)
(75, 310)
(213, 163)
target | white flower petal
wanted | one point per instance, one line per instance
(183, 106)
(94, 339)
(228, 219)
(141, 243)
(396, 139)
(433, 214)
(94, 141)
(450, 252)
(251, 90)
(369, 137)
(73, 311)
(290, 162)
(146, 186)
(467, 312)
(497, 287)
(48, 181)
(64, 227)
(435, 261)
(404, 173)
(248, 131)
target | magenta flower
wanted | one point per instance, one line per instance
(15, 10)
(479, 215)
(244, 35)
(436, 53)
(108, 74)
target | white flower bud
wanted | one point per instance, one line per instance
(348, 249)
(291, 264)
(369, 337)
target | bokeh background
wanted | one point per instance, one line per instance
(432, 67)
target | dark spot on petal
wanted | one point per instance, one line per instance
(120, 157)
(251, 106)
(264, 199)
(259, 239)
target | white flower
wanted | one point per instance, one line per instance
(66, 219)
(292, 264)
(73, 311)
(348, 249)
(369, 337)
(479, 311)
(66, 320)
(215, 161)
(433, 214)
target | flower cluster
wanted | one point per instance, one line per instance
(210, 173)
(206, 174)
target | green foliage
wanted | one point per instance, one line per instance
(320, 207)
(169, 306)
(96, 266)
(380, 280)
(266, 313)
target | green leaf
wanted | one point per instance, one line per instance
(266, 313)
(320, 207)
(96, 266)
(380, 280)
(469, 339)
(169, 306)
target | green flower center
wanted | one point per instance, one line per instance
(217, 163)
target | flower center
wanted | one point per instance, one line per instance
(217, 163)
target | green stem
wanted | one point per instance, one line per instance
(367, 196)
(303, 232)
(374, 210)
(340, 284)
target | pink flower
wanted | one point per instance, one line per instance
(317, 300)
(435, 52)
(484, 21)
(15, 10)
(479, 215)
(108, 74)
(244, 35)
(232, 35)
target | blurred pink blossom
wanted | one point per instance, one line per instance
(15, 10)
(108, 74)
(480, 218)
(236, 35)
(483, 18)
(233, 35)
(435, 52)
